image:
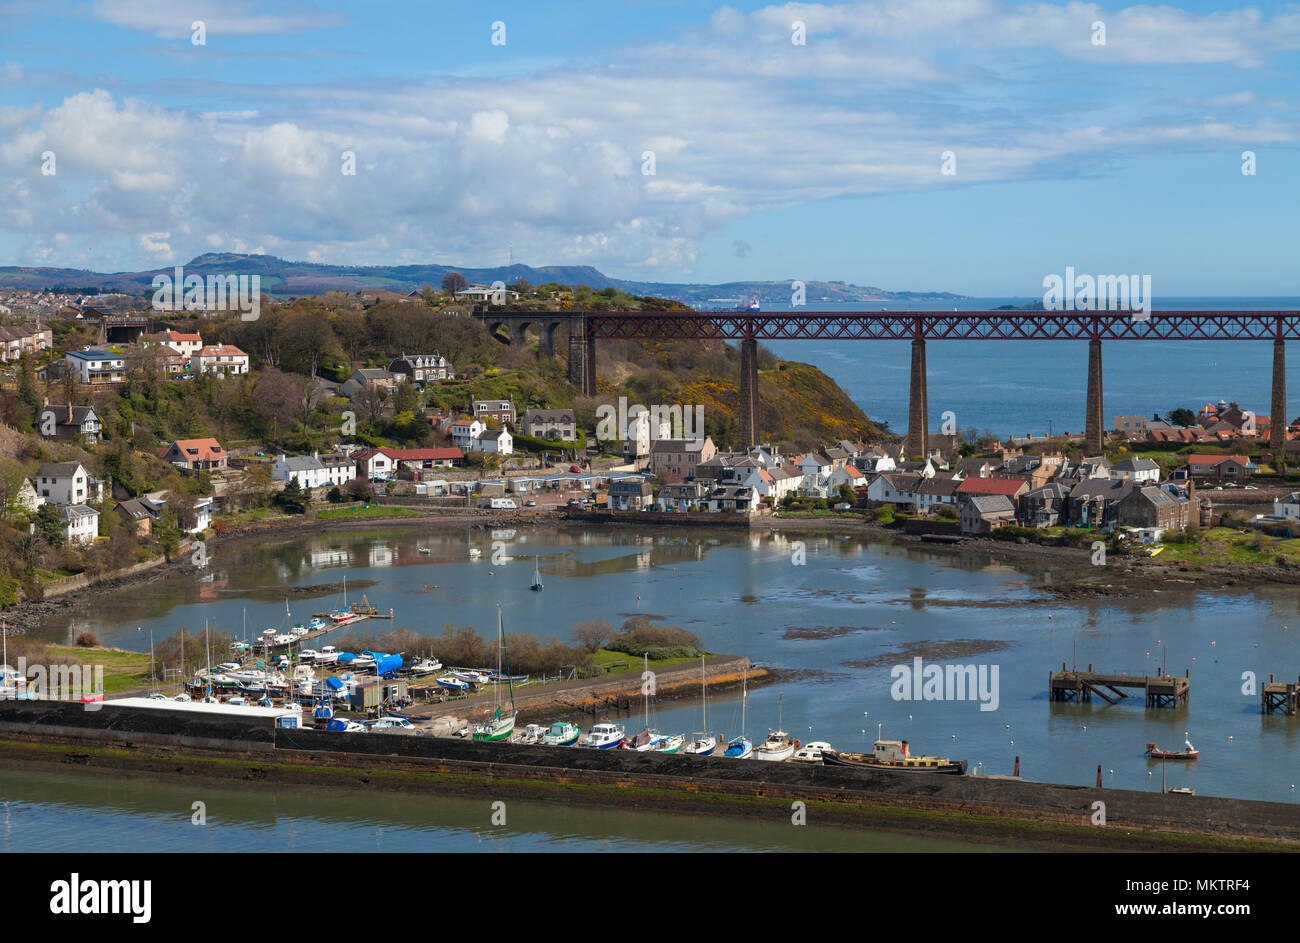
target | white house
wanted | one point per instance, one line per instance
(465, 431)
(894, 488)
(307, 470)
(816, 465)
(1143, 471)
(67, 483)
(494, 440)
(1288, 506)
(81, 523)
(96, 366)
(221, 359)
(27, 498)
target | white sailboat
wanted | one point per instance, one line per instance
(702, 744)
(501, 724)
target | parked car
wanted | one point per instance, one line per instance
(575, 469)
(530, 503)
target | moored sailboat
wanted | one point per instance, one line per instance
(702, 744)
(742, 748)
(501, 723)
(778, 746)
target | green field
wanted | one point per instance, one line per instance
(361, 513)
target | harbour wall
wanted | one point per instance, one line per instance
(210, 746)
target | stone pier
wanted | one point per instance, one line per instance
(1094, 428)
(1277, 407)
(747, 414)
(918, 408)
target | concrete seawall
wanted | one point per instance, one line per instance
(121, 739)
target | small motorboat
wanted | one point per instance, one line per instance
(562, 734)
(308, 654)
(426, 666)
(604, 736)
(339, 725)
(1183, 790)
(1190, 753)
(810, 752)
(643, 742)
(315, 624)
(475, 553)
(453, 684)
(424, 551)
(470, 676)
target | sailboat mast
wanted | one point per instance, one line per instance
(704, 701)
(153, 672)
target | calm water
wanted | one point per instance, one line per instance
(1019, 387)
(742, 594)
(79, 811)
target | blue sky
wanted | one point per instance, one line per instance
(771, 160)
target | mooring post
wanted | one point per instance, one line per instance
(1015, 770)
(1094, 424)
(1098, 775)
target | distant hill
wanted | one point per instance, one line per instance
(282, 279)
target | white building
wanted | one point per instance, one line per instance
(465, 431)
(81, 523)
(67, 483)
(219, 358)
(96, 366)
(495, 440)
(1288, 506)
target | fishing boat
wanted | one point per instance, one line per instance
(810, 752)
(741, 748)
(324, 710)
(778, 746)
(1190, 753)
(893, 756)
(453, 684)
(501, 723)
(537, 586)
(604, 736)
(702, 744)
(308, 654)
(562, 734)
(426, 666)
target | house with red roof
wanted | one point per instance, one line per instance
(973, 486)
(196, 455)
(1220, 467)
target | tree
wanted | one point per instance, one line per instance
(453, 282)
(1181, 417)
(292, 500)
(427, 295)
(593, 634)
(49, 524)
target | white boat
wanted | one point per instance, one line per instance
(533, 733)
(471, 677)
(604, 736)
(283, 639)
(475, 553)
(426, 666)
(670, 744)
(453, 684)
(649, 739)
(328, 655)
(702, 744)
(315, 623)
(810, 752)
(778, 746)
(363, 661)
(308, 654)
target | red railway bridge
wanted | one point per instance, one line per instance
(587, 327)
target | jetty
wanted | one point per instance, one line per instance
(1163, 690)
(1279, 696)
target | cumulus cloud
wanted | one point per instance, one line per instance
(740, 119)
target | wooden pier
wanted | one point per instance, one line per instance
(1278, 696)
(1080, 686)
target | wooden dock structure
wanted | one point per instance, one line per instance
(1279, 696)
(1079, 686)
